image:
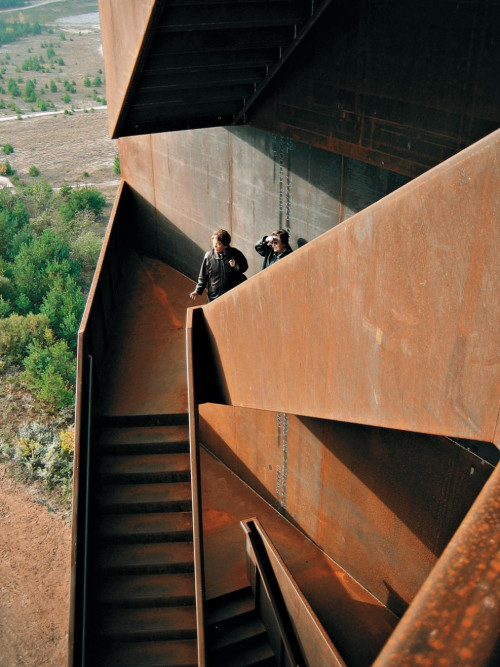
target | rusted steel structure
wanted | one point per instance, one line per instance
(343, 404)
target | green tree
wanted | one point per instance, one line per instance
(37, 265)
(81, 199)
(53, 87)
(63, 305)
(86, 82)
(117, 165)
(13, 88)
(29, 91)
(7, 149)
(17, 332)
(50, 372)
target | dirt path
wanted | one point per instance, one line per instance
(34, 579)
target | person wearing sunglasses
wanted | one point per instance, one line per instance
(273, 247)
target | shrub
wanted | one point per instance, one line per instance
(50, 52)
(13, 88)
(6, 169)
(46, 455)
(86, 82)
(116, 168)
(86, 248)
(29, 91)
(53, 87)
(37, 265)
(17, 332)
(66, 98)
(7, 149)
(81, 199)
(41, 104)
(63, 305)
(34, 171)
(50, 373)
(97, 82)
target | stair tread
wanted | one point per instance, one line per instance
(132, 435)
(251, 629)
(260, 653)
(137, 464)
(149, 654)
(149, 588)
(140, 623)
(220, 610)
(146, 555)
(137, 526)
(140, 494)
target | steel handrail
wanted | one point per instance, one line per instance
(273, 592)
(194, 452)
(87, 507)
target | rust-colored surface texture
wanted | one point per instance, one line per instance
(401, 307)
(455, 618)
(123, 27)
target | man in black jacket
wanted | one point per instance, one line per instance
(273, 247)
(222, 267)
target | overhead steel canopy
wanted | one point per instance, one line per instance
(203, 63)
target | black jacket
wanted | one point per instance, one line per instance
(266, 250)
(217, 276)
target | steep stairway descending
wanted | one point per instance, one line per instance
(236, 635)
(141, 606)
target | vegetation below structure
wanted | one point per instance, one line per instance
(48, 251)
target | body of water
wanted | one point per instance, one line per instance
(81, 19)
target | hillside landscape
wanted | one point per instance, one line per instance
(59, 174)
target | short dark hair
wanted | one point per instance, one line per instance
(282, 235)
(222, 236)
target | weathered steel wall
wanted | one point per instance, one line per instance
(248, 181)
(123, 26)
(382, 503)
(390, 319)
(402, 85)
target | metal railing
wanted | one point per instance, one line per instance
(295, 633)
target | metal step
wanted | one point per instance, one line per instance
(166, 497)
(230, 607)
(151, 527)
(145, 468)
(168, 590)
(144, 439)
(154, 624)
(159, 558)
(178, 653)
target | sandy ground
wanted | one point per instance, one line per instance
(34, 579)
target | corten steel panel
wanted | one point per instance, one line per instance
(397, 84)
(245, 180)
(342, 605)
(123, 26)
(455, 618)
(381, 503)
(389, 319)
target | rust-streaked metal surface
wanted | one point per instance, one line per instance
(147, 363)
(315, 644)
(381, 503)
(390, 319)
(455, 618)
(123, 28)
(244, 180)
(396, 86)
(341, 604)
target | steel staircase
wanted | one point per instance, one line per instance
(141, 581)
